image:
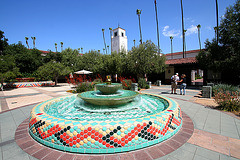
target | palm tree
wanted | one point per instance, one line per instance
(134, 42)
(104, 50)
(217, 20)
(26, 38)
(61, 46)
(56, 46)
(185, 44)
(171, 38)
(110, 29)
(34, 39)
(104, 40)
(183, 34)
(157, 26)
(138, 13)
(198, 27)
(82, 49)
(108, 48)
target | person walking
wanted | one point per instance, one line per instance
(183, 84)
(174, 80)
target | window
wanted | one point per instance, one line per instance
(122, 34)
(115, 34)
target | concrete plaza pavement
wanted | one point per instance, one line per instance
(216, 134)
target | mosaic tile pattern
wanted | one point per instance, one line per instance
(104, 136)
(28, 84)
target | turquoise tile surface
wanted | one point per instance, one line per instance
(85, 123)
(103, 151)
(95, 150)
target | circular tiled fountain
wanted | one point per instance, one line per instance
(71, 124)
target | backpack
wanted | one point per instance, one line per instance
(173, 79)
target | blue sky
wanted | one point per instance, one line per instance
(79, 23)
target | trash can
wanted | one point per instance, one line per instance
(134, 87)
(149, 83)
(207, 92)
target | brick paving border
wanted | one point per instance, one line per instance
(39, 151)
(218, 143)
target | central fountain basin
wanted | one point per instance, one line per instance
(97, 98)
(107, 89)
(70, 124)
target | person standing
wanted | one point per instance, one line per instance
(174, 80)
(183, 84)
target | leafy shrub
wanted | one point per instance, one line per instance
(147, 86)
(225, 88)
(85, 86)
(229, 101)
(97, 81)
(126, 83)
(142, 83)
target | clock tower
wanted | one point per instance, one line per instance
(119, 40)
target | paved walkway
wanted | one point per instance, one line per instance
(216, 134)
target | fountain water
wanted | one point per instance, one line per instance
(106, 121)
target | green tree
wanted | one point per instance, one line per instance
(52, 70)
(26, 60)
(225, 56)
(92, 61)
(229, 28)
(144, 59)
(71, 58)
(56, 56)
(139, 13)
(3, 42)
(114, 63)
(8, 69)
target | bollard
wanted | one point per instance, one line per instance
(134, 87)
(159, 82)
(207, 92)
(149, 83)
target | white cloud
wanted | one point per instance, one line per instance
(166, 32)
(209, 28)
(189, 20)
(191, 30)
